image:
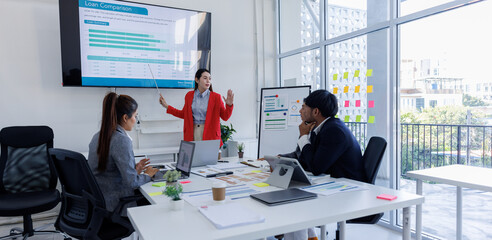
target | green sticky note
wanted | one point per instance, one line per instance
(256, 171)
(371, 119)
(261, 184)
(159, 184)
(345, 75)
(347, 118)
(336, 116)
(356, 74)
(155, 194)
(335, 76)
(369, 73)
(358, 118)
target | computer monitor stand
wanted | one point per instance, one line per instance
(281, 176)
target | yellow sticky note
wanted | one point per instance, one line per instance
(356, 74)
(335, 76)
(336, 116)
(369, 89)
(357, 89)
(345, 89)
(159, 184)
(369, 73)
(155, 194)
(345, 75)
(371, 119)
(358, 118)
(335, 90)
(347, 118)
(261, 184)
(256, 171)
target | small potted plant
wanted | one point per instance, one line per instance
(172, 177)
(225, 134)
(174, 192)
(240, 150)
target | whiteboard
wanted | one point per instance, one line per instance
(280, 119)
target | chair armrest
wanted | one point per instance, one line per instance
(123, 201)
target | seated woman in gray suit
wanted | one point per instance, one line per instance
(111, 156)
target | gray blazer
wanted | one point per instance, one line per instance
(120, 178)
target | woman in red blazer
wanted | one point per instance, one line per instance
(202, 110)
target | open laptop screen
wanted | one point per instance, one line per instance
(185, 157)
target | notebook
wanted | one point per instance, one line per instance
(206, 153)
(283, 196)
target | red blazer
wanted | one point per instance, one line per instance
(215, 111)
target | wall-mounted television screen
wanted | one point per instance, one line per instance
(108, 43)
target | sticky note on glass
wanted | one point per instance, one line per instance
(371, 119)
(357, 103)
(358, 118)
(357, 89)
(356, 74)
(335, 76)
(370, 104)
(347, 103)
(159, 184)
(369, 89)
(335, 90)
(155, 194)
(369, 73)
(345, 89)
(347, 118)
(261, 184)
(345, 75)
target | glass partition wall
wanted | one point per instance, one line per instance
(411, 71)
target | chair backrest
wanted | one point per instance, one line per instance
(24, 160)
(82, 200)
(372, 157)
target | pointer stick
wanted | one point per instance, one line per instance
(159, 92)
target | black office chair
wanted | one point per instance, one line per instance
(373, 155)
(27, 178)
(83, 213)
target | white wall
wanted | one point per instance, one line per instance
(30, 70)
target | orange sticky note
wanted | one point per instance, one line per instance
(358, 118)
(357, 89)
(356, 74)
(347, 118)
(371, 119)
(345, 75)
(335, 90)
(370, 104)
(335, 76)
(369, 89)
(369, 73)
(347, 103)
(345, 89)
(357, 103)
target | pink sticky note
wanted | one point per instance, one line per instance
(357, 103)
(370, 104)
(347, 103)
(185, 182)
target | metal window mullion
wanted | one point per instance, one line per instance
(322, 48)
(277, 26)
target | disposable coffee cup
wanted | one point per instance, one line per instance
(218, 191)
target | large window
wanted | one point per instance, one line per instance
(412, 71)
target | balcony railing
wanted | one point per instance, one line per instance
(431, 145)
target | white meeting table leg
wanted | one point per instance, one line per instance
(418, 217)
(342, 230)
(459, 211)
(322, 232)
(406, 224)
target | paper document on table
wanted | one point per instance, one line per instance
(204, 172)
(230, 215)
(204, 197)
(224, 166)
(333, 187)
(244, 177)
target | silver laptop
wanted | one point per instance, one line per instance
(206, 153)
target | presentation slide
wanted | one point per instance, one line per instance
(127, 44)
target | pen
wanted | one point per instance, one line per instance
(223, 161)
(220, 174)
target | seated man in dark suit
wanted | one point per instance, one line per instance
(325, 144)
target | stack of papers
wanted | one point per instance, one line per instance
(230, 215)
(333, 187)
(225, 166)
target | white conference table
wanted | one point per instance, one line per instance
(461, 176)
(158, 221)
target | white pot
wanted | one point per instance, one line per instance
(177, 204)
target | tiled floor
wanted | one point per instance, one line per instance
(354, 231)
